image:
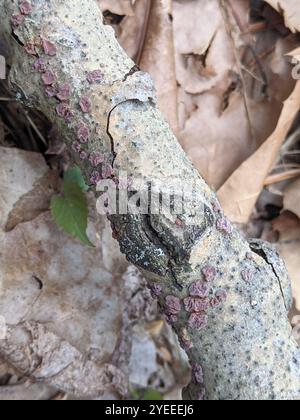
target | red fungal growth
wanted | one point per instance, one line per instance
(216, 207)
(83, 155)
(197, 372)
(201, 395)
(48, 78)
(95, 76)
(49, 47)
(155, 291)
(107, 171)
(17, 20)
(50, 91)
(247, 275)
(40, 65)
(219, 299)
(199, 289)
(173, 305)
(25, 8)
(171, 318)
(85, 104)
(83, 133)
(30, 49)
(64, 111)
(96, 158)
(196, 304)
(198, 321)
(185, 340)
(64, 92)
(223, 225)
(95, 177)
(209, 273)
(179, 222)
(76, 147)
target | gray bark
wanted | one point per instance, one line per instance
(240, 341)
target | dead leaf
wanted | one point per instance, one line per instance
(20, 174)
(290, 10)
(239, 194)
(158, 59)
(291, 200)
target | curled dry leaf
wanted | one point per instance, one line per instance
(290, 10)
(224, 112)
(158, 58)
(239, 194)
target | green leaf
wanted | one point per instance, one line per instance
(152, 395)
(75, 175)
(70, 212)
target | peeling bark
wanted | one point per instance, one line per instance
(240, 341)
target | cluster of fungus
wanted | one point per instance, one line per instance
(63, 93)
(197, 304)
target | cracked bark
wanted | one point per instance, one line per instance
(240, 342)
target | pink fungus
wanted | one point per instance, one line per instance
(155, 291)
(17, 20)
(107, 171)
(49, 47)
(196, 304)
(199, 289)
(25, 8)
(64, 111)
(50, 91)
(216, 207)
(48, 78)
(201, 395)
(85, 104)
(83, 155)
(198, 321)
(40, 65)
(223, 225)
(171, 318)
(219, 298)
(83, 133)
(76, 147)
(30, 49)
(95, 76)
(247, 275)
(209, 273)
(173, 305)
(96, 158)
(64, 92)
(197, 372)
(95, 177)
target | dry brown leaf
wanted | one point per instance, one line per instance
(158, 59)
(239, 194)
(215, 129)
(291, 200)
(290, 10)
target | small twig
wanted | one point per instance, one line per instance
(284, 176)
(2, 99)
(35, 128)
(138, 56)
